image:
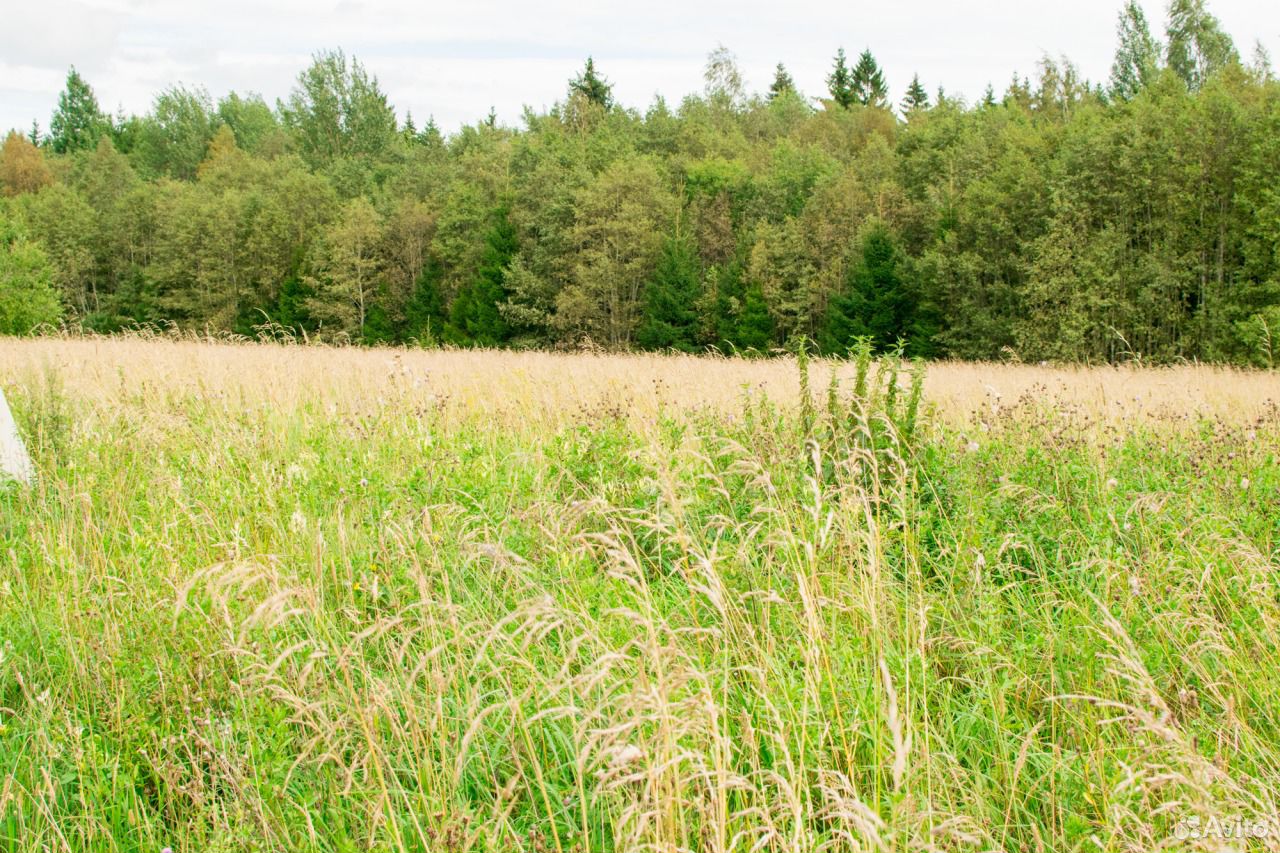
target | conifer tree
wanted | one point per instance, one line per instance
(782, 82)
(430, 134)
(671, 317)
(592, 86)
(869, 88)
(916, 97)
(755, 324)
(476, 315)
(840, 82)
(424, 312)
(291, 306)
(78, 122)
(378, 328)
(1019, 92)
(874, 303)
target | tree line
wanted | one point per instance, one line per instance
(1062, 219)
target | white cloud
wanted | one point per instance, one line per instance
(32, 33)
(454, 60)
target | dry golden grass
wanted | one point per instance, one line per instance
(540, 389)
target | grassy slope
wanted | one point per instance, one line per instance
(239, 621)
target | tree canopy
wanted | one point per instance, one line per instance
(1060, 218)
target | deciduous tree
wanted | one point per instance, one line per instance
(27, 296)
(22, 166)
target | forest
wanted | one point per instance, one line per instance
(1136, 218)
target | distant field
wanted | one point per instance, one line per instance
(286, 598)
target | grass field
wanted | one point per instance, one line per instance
(306, 599)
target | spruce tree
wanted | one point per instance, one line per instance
(476, 315)
(840, 82)
(1137, 55)
(782, 82)
(430, 134)
(1019, 92)
(869, 88)
(291, 306)
(592, 86)
(755, 325)
(743, 321)
(424, 312)
(845, 323)
(916, 97)
(378, 328)
(729, 294)
(670, 317)
(78, 122)
(874, 303)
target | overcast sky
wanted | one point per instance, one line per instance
(454, 60)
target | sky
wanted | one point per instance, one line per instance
(455, 60)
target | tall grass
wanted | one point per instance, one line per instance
(255, 602)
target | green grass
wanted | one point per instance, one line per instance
(232, 626)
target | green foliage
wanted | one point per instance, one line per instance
(670, 318)
(724, 87)
(1260, 335)
(753, 330)
(618, 220)
(476, 314)
(840, 82)
(782, 83)
(1053, 221)
(337, 111)
(874, 305)
(78, 123)
(27, 296)
(251, 120)
(425, 312)
(868, 85)
(1137, 54)
(1197, 47)
(173, 140)
(916, 97)
(286, 603)
(346, 271)
(291, 306)
(592, 86)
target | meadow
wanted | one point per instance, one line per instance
(285, 598)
